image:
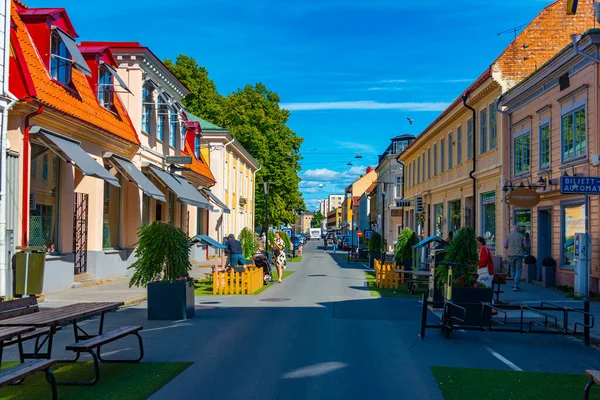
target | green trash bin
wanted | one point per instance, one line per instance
(29, 271)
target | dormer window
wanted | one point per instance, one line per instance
(105, 87)
(64, 55)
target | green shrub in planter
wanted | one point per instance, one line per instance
(162, 265)
(375, 243)
(463, 252)
(249, 243)
(286, 240)
(404, 251)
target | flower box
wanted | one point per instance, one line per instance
(471, 298)
(171, 300)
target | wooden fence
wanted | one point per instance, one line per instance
(385, 277)
(246, 282)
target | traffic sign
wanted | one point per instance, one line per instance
(580, 184)
(178, 159)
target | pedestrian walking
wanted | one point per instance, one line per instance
(278, 255)
(234, 248)
(335, 243)
(485, 266)
(515, 243)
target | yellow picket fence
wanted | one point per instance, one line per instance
(385, 277)
(246, 282)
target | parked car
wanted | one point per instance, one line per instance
(346, 245)
(295, 241)
(341, 240)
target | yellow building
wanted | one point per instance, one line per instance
(353, 193)
(334, 219)
(454, 166)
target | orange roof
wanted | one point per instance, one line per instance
(79, 101)
(198, 165)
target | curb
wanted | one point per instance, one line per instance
(135, 300)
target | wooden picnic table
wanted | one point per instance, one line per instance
(8, 332)
(55, 317)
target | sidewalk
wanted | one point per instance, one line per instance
(536, 294)
(118, 290)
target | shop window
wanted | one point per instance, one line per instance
(483, 131)
(573, 221)
(147, 109)
(574, 134)
(470, 139)
(60, 61)
(105, 87)
(44, 199)
(111, 216)
(523, 221)
(493, 126)
(522, 153)
(454, 214)
(459, 145)
(488, 209)
(438, 217)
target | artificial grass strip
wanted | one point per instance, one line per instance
(295, 259)
(203, 288)
(117, 381)
(464, 383)
(275, 277)
(402, 290)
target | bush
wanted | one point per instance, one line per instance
(548, 262)
(270, 239)
(406, 240)
(249, 243)
(162, 254)
(530, 260)
(462, 251)
(375, 243)
(286, 240)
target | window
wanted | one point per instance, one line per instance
(454, 216)
(60, 60)
(493, 126)
(111, 216)
(470, 139)
(105, 87)
(522, 154)
(182, 134)
(197, 146)
(544, 146)
(200, 222)
(442, 156)
(145, 209)
(162, 127)
(241, 182)
(183, 219)
(171, 205)
(459, 145)
(423, 171)
(398, 188)
(44, 199)
(147, 109)
(438, 218)
(412, 168)
(435, 159)
(483, 131)
(488, 209)
(418, 169)
(174, 123)
(573, 127)
(429, 163)
(449, 150)
(573, 221)
(233, 185)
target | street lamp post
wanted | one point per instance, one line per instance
(383, 246)
(266, 188)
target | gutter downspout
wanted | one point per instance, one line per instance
(223, 180)
(25, 199)
(509, 164)
(465, 97)
(254, 199)
(402, 197)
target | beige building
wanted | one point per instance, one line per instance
(304, 222)
(352, 195)
(335, 201)
(553, 118)
(454, 166)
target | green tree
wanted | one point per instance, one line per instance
(317, 219)
(253, 116)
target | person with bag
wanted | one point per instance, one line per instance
(278, 255)
(485, 266)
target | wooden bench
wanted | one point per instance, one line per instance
(25, 306)
(93, 345)
(594, 376)
(18, 373)
(412, 282)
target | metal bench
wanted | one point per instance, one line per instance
(594, 376)
(25, 306)
(92, 346)
(18, 373)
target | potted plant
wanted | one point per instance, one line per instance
(548, 271)
(374, 248)
(464, 290)
(403, 251)
(162, 265)
(249, 243)
(531, 263)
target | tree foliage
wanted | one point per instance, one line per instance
(462, 253)
(317, 219)
(249, 243)
(375, 243)
(253, 116)
(404, 251)
(162, 254)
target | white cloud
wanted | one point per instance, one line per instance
(324, 175)
(365, 105)
(365, 148)
(321, 174)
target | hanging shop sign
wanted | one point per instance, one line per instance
(523, 197)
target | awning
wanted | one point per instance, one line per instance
(78, 60)
(115, 75)
(216, 200)
(184, 190)
(428, 240)
(70, 151)
(130, 171)
(207, 240)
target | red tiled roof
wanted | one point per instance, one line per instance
(79, 101)
(198, 165)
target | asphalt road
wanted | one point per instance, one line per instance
(326, 339)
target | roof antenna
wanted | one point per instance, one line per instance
(513, 30)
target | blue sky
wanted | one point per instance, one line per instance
(350, 71)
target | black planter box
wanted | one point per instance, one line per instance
(470, 298)
(372, 258)
(548, 276)
(170, 301)
(531, 272)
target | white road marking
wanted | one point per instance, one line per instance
(509, 363)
